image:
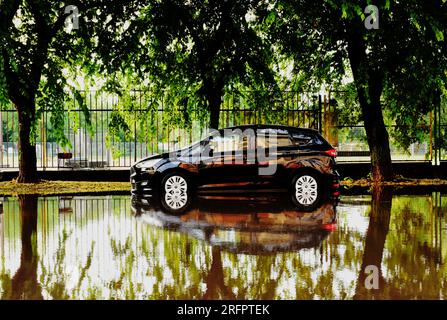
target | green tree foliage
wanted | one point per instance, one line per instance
(38, 52)
(399, 67)
(195, 50)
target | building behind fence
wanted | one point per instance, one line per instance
(150, 129)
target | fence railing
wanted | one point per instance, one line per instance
(351, 141)
(122, 132)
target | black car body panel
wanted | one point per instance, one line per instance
(298, 150)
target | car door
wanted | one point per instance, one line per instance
(274, 150)
(228, 159)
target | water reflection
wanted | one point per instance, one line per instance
(378, 227)
(243, 224)
(24, 284)
(115, 247)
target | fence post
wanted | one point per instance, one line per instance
(320, 115)
(44, 143)
(437, 132)
(1, 136)
(431, 137)
(135, 137)
(438, 102)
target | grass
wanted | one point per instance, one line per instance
(12, 188)
(399, 181)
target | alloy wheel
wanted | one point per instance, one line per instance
(176, 195)
(306, 190)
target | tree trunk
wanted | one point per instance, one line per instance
(214, 101)
(378, 142)
(368, 79)
(27, 151)
(379, 224)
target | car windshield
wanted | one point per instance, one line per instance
(192, 150)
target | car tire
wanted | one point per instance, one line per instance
(175, 192)
(306, 191)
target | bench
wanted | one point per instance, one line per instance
(76, 163)
(63, 156)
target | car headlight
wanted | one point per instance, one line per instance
(147, 164)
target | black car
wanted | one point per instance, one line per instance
(243, 157)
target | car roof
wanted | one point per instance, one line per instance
(270, 126)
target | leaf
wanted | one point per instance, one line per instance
(271, 17)
(439, 35)
(344, 9)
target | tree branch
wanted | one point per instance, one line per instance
(8, 10)
(12, 79)
(41, 23)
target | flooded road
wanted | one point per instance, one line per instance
(118, 247)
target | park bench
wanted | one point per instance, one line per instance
(63, 157)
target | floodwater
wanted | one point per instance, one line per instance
(116, 247)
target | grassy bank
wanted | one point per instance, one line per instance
(398, 182)
(12, 188)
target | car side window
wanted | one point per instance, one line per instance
(271, 138)
(226, 144)
(303, 139)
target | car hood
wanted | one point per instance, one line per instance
(154, 156)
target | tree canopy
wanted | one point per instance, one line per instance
(399, 67)
(197, 49)
(38, 54)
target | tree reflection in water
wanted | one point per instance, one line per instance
(24, 284)
(379, 221)
(92, 247)
(215, 282)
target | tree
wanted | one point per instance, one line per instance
(35, 52)
(400, 66)
(197, 48)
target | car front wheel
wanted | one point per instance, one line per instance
(175, 192)
(306, 191)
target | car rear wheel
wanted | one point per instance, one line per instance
(175, 192)
(306, 191)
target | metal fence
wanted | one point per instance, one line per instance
(124, 130)
(351, 141)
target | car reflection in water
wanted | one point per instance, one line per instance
(251, 225)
